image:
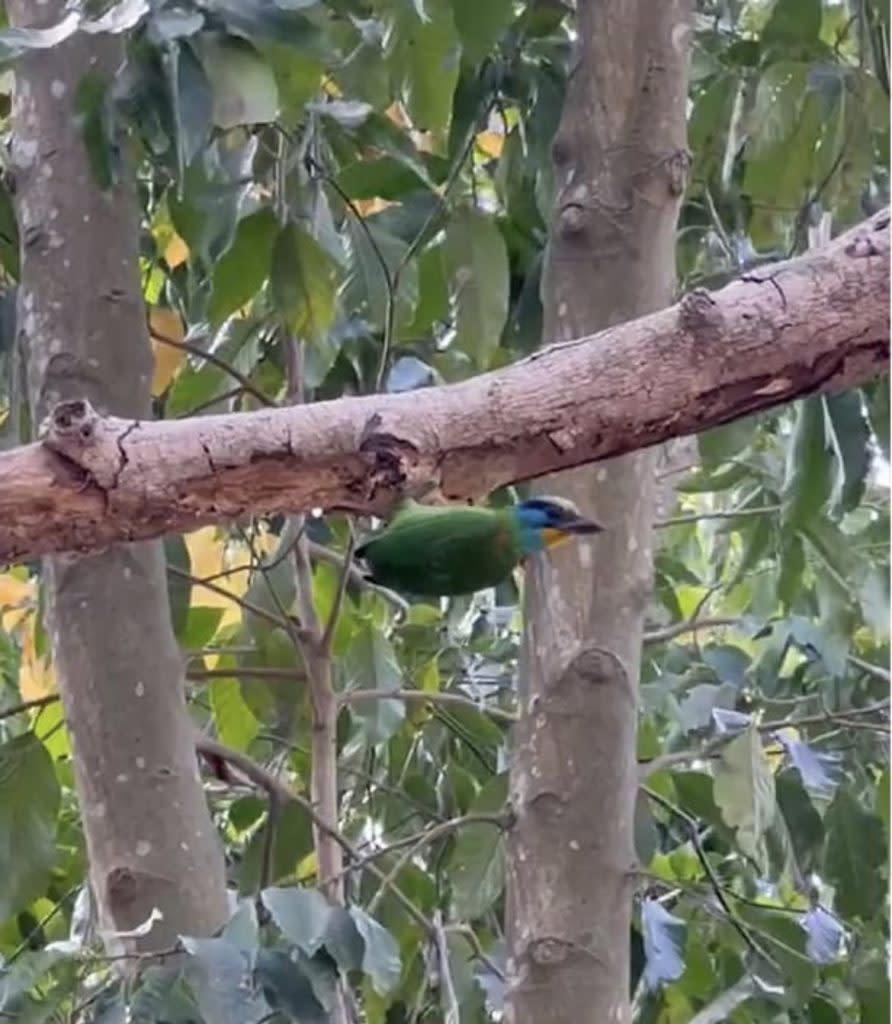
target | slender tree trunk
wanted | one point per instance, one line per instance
(150, 839)
(620, 165)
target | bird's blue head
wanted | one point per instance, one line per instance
(545, 522)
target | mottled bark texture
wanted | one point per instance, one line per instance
(150, 840)
(820, 322)
(620, 166)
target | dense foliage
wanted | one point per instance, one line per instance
(348, 196)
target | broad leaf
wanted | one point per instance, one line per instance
(478, 268)
(854, 852)
(744, 790)
(29, 806)
(381, 958)
(476, 866)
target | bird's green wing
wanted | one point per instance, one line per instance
(443, 550)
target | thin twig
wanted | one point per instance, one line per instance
(453, 1013)
(432, 697)
(696, 517)
(215, 360)
(694, 832)
(286, 675)
(28, 705)
(429, 835)
(242, 602)
(842, 718)
(268, 782)
(676, 629)
(330, 626)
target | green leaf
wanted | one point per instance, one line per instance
(784, 939)
(29, 807)
(477, 261)
(303, 283)
(192, 102)
(744, 790)
(302, 915)
(217, 970)
(179, 587)
(793, 23)
(372, 664)
(878, 407)
(854, 853)
(480, 25)
(292, 842)
(476, 866)
(381, 957)
(243, 83)
(849, 436)
(808, 479)
(235, 724)
(723, 443)
(804, 825)
(366, 287)
(426, 56)
(343, 940)
(241, 271)
(288, 985)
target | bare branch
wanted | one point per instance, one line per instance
(763, 340)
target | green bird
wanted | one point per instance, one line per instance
(443, 550)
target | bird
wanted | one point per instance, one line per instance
(449, 550)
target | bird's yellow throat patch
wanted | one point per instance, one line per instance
(554, 537)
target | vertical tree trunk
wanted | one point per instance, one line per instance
(620, 164)
(150, 839)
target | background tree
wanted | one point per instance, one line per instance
(339, 198)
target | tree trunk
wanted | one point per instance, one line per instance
(620, 165)
(150, 839)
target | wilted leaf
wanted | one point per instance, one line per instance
(664, 938)
(824, 935)
(818, 771)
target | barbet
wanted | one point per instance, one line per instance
(437, 550)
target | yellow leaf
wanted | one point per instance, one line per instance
(18, 595)
(168, 358)
(306, 869)
(211, 553)
(491, 144)
(36, 677)
(176, 252)
(367, 207)
(396, 114)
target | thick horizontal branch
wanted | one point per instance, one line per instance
(816, 323)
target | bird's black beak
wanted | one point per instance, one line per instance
(580, 525)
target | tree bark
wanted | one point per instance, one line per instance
(150, 840)
(820, 322)
(620, 166)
